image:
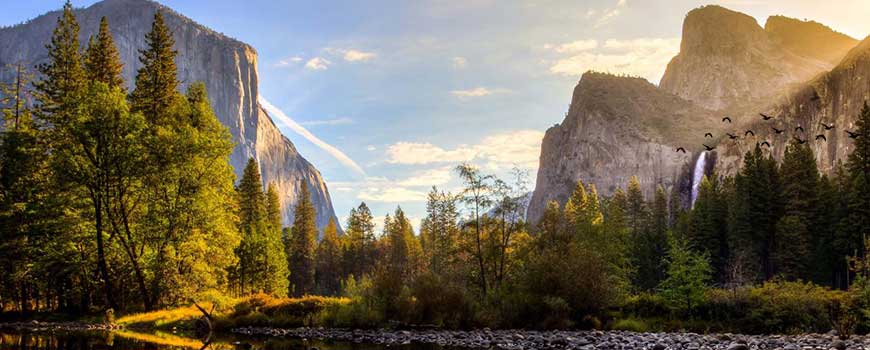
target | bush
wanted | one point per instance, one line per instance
(630, 324)
(266, 311)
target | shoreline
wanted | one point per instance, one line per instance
(531, 339)
(510, 339)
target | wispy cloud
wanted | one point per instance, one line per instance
(317, 63)
(645, 57)
(299, 129)
(477, 92)
(610, 14)
(355, 55)
(336, 121)
(459, 62)
(289, 61)
(574, 46)
(517, 148)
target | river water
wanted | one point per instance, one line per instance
(127, 340)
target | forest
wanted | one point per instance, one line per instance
(124, 202)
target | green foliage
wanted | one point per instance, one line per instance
(302, 245)
(688, 276)
(631, 325)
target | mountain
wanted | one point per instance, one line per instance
(834, 98)
(741, 62)
(227, 66)
(617, 127)
(802, 73)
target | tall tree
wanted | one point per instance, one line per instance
(800, 194)
(61, 93)
(328, 272)
(439, 232)
(156, 82)
(476, 195)
(303, 243)
(102, 61)
(359, 249)
(708, 233)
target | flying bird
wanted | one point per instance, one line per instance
(708, 135)
(726, 119)
(732, 136)
(748, 132)
(680, 149)
(765, 143)
(827, 127)
(709, 148)
(822, 137)
(799, 128)
(799, 141)
(777, 130)
(853, 135)
(765, 116)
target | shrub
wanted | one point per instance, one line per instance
(264, 310)
(630, 324)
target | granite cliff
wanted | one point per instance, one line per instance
(227, 66)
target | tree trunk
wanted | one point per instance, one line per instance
(101, 255)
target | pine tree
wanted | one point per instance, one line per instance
(439, 233)
(858, 165)
(651, 244)
(688, 276)
(303, 243)
(360, 238)
(328, 272)
(63, 79)
(792, 256)
(156, 82)
(636, 210)
(102, 62)
(707, 228)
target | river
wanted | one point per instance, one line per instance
(128, 340)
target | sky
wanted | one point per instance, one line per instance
(386, 98)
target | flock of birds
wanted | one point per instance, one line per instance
(747, 133)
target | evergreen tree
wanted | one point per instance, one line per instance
(651, 245)
(303, 243)
(156, 82)
(688, 276)
(359, 249)
(800, 197)
(858, 199)
(439, 233)
(102, 61)
(328, 272)
(707, 228)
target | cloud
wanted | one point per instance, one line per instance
(392, 195)
(610, 14)
(371, 148)
(317, 63)
(645, 57)
(428, 178)
(299, 129)
(459, 62)
(354, 55)
(288, 61)
(517, 148)
(477, 92)
(576, 46)
(337, 121)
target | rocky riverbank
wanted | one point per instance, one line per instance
(36, 326)
(614, 340)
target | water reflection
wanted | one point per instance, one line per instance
(129, 340)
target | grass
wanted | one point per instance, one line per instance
(255, 310)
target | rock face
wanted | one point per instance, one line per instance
(801, 73)
(618, 127)
(834, 98)
(726, 58)
(227, 66)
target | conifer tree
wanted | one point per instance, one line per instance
(800, 197)
(360, 242)
(303, 244)
(156, 82)
(328, 271)
(858, 165)
(102, 61)
(707, 228)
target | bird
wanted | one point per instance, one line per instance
(732, 136)
(680, 149)
(765, 143)
(853, 135)
(748, 132)
(708, 135)
(799, 128)
(726, 119)
(822, 137)
(799, 141)
(765, 116)
(777, 130)
(709, 148)
(827, 127)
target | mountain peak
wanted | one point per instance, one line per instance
(809, 38)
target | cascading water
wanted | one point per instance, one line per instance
(698, 174)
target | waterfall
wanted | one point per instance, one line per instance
(698, 174)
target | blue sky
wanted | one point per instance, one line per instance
(409, 89)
